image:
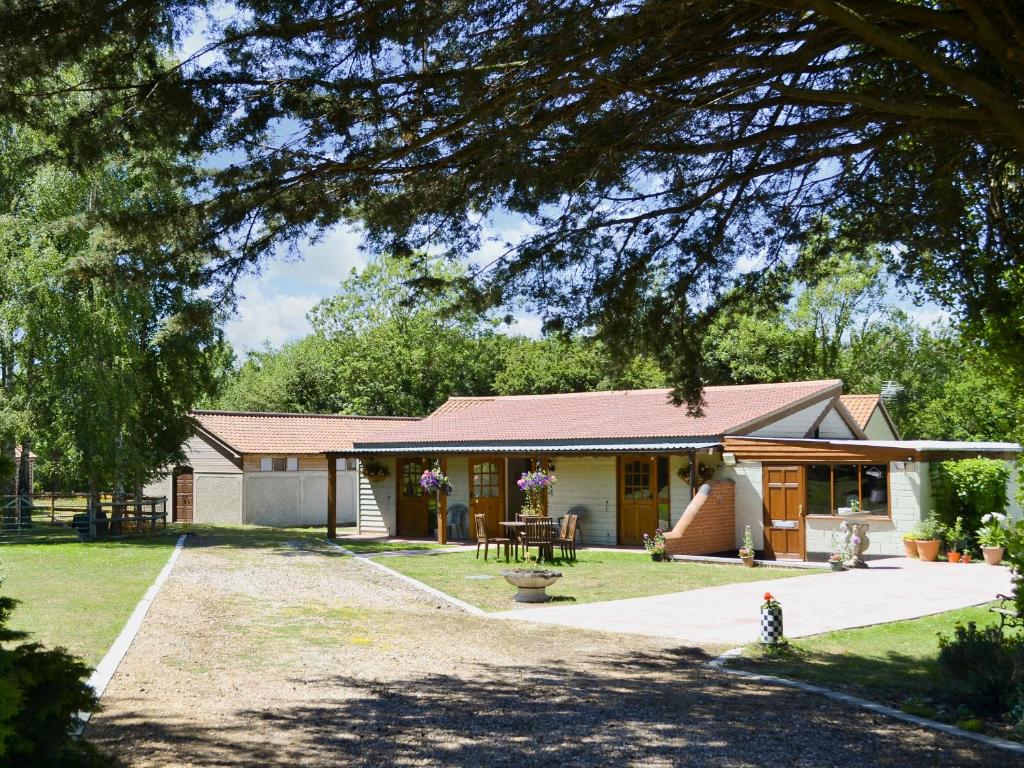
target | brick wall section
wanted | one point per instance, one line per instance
(714, 528)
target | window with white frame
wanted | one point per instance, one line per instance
(279, 463)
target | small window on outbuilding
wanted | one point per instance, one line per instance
(293, 464)
(351, 464)
(266, 464)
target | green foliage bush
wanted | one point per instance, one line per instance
(969, 488)
(42, 691)
(987, 664)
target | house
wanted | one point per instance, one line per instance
(266, 468)
(790, 460)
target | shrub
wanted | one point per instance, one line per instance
(969, 488)
(988, 664)
(42, 691)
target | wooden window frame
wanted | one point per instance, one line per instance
(832, 515)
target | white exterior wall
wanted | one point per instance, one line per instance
(878, 428)
(796, 424)
(678, 489)
(377, 502)
(834, 427)
(297, 498)
(909, 503)
(747, 476)
(588, 481)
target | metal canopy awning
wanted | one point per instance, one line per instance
(660, 446)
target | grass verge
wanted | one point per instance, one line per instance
(895, 663)
(79, 595)
(594, 577)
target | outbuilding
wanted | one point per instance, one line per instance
(267, 468)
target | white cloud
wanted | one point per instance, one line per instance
(264, 316)
(272, 305)
(523, 325)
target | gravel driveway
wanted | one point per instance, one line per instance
(296, 655)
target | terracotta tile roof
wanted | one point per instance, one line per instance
(623, 415)
(305, 433)
(860, 407)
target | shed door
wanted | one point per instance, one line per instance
(183, 496)
(485, 492)
(783, 513)
(638, 502)
(413, 501)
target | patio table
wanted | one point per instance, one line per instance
(516, 530)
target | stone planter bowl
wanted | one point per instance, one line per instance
(993, 555)
(531, 585)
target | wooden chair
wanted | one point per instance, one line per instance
(539, 533)
(567, 540)
(581, 512)
(482, 538)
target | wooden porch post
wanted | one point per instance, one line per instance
(442, 507)
(332, 496)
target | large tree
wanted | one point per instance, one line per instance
(664, 152)
(106, 343)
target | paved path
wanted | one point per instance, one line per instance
(890, 590)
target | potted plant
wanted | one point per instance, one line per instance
(655, 545)
(374, 471)
(835, 561)
(930, 532)
(955, 538)
(771, 621)
(746, 552)
(965, 557)
(992, 537)
(910, 542)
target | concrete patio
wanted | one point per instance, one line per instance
(892, 589)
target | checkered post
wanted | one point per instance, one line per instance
(771, 625)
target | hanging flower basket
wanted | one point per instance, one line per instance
(374, 471)
(435, 481)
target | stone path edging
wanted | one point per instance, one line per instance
(720, 663)
(367, 558)
(101, 676)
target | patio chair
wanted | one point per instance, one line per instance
(482, 538)
(457, 528)
(539, 533)
(567, 540)
(581, 512)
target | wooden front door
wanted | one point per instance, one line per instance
(784, 512)
(413, 502)
(486, 493)
(183, 497)
(638, 500)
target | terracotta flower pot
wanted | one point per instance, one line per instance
(953, 556)
(965, 559)
(910, 548)
(748, 561)
(993, 555)
(928, 550)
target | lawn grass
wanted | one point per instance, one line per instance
(79, 594)
(895, 663)
(594, 577)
